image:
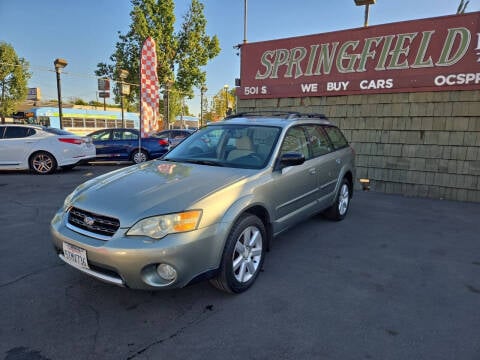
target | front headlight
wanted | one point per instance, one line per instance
(157, 227)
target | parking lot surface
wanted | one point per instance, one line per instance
(399, 278)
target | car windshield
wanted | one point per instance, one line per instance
(229, 145)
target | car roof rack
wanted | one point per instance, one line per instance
(281, 114)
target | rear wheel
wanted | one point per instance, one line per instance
(42, 163)
(339, 209)
(139, 156)
(243, 255)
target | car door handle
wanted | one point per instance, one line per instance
(312, 171)
(339, 161)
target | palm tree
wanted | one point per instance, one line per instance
(462, 6)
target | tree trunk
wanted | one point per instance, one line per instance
(3, 99)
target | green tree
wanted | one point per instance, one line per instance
(224, 101)
(79, 101)
(180, 54)
(14, 75)
(462, 6)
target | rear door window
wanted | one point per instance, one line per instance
(16, 132)
(336, 137)
(129, 135)
(318, 140)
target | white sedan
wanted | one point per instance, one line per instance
(41, 149)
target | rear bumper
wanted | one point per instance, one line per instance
(76, 160)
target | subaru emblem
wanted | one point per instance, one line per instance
(89, 221)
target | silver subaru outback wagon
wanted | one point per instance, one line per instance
(209, 208)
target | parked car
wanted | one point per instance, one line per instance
(118, 144)
(210, 207)
(41, 149)
(174, 136)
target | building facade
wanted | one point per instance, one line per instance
(406, 95)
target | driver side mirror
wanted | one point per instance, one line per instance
(290, 159)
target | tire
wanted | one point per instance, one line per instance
(139, 156)
(43, 163)
(238, 271)
(340, 207)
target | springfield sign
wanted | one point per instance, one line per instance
(434, 54)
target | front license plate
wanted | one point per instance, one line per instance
(75, 255)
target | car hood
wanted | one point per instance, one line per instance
(152, 188)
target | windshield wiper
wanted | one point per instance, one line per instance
(203, 162)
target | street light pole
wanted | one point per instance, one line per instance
(245, 21)
(182, 120)
(59, 65)
(123, 74)
(168, 85)
(203, 89)
(225, 87)
(367, 4)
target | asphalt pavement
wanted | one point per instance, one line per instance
(399, 278)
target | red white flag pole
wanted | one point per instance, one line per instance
(149, 89)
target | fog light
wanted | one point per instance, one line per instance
(166, 272)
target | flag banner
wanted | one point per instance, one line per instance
(149, 89)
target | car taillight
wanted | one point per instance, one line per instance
(163, 142)
(72, 141)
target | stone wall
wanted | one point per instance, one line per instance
(417, 144)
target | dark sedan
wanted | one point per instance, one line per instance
(124, 145)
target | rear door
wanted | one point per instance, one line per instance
(341, 150)
(124, 142)
(325, 161)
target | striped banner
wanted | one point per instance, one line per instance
(149, 89)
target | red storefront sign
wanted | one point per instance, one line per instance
(435, 54)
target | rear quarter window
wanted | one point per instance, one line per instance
(17, 132)
(336, 137)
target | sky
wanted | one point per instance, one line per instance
(85, 32)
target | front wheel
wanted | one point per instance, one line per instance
(139, 156)
(339, 209)
(43, 163)
(243, 255)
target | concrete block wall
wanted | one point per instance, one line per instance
(417, 144)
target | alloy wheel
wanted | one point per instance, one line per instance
(247, 254)
(139, 157)
(42, 163)
(343, 199)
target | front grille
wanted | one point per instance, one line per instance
(88, 221)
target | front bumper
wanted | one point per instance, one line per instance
(131, 261)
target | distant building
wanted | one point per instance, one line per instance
(185, 122)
